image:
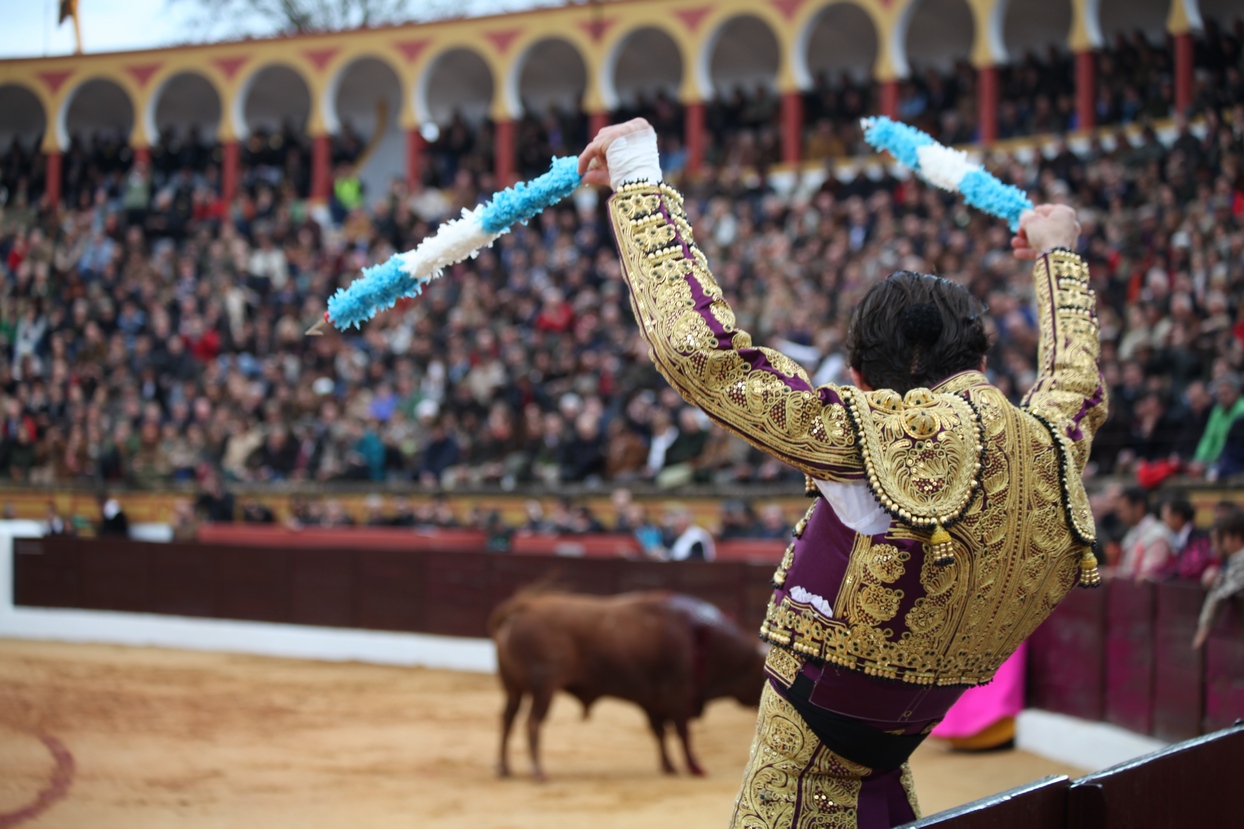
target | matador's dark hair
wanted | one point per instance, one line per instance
(913, 330)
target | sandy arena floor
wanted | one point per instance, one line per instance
(97, 737)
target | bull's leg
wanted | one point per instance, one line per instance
(657, 723)
(513, 699)
(684, 735)
(540, 701)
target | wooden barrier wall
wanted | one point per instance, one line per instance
(441, 591)
(1188, 784)
(1121, 654)
(1124, 654)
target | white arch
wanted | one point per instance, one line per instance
(237, 108)
(420, 92)
(150, 128)
(328, 99)
(899, 57)
(996, 28)
(61, 127)
(21, 91)
(704, 61)
(511, 88)
(803, 41)
(607, 84)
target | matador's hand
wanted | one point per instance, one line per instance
(1044, 228)
(593, 162)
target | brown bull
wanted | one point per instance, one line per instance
(667, 653)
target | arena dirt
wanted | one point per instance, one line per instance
(104, 737)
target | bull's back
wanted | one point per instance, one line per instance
(598, 646)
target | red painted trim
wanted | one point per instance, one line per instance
(321, 167)
(505, 158)
(231, 153)
(54, 79)
(1086, 89)
(502, 39)
(230, 66)
(597, 26)
(411, 49)
(889, 99)
(53, 172)
(1184, 72)
(320, 57)
(692, 18)
(693, 125)
(142, 73)
(57, 788)
(987, 103)
(792, 127)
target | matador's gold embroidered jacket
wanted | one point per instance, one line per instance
(1004, 480)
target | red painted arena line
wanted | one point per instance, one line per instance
(57, 788)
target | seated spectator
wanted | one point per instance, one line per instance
(772, 523)
(1146, 548)
(1229, 544)
(183, 520)
(1191, 549)
(737, 520)
(254, 512)
(113, 521)
(215, 503)
(1227, 409)
(688, 542)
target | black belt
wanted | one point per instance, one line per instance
(849, 738)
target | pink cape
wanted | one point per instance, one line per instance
(985, 705)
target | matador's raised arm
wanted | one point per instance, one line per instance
(757, 393)
(1069, 393)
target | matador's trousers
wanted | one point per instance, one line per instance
(792, 781)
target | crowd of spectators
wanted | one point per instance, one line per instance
(153, 334)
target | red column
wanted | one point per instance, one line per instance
(505, 160)
(792, 128)
(321, 167)
(142, 154)
(414, 156)
(889, 99)
(231, 153)
(1086, 89)
(987, 103)
(52, 186)
(596, 122)
(693, 126)
(1184, 68)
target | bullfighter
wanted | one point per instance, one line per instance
(947, 522)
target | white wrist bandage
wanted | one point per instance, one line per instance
(634, 157)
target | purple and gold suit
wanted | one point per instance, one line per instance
(949, 523)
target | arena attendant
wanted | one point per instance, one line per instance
(947, 524)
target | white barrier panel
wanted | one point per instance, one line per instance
(261, 638)
(1091, 746)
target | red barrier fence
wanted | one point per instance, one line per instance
(1124, 654)
(593, 545)
(442, 591)
(1188, 784)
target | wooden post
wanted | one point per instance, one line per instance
(693, 128)
(1184, 70)
(889, 99)
(1086, 89)
(321, 168)
(231, 152)
(415, 145)
(53, 172)
(792, 128)
(505, 161)
(987, 103)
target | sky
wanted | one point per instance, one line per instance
(30, 28)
